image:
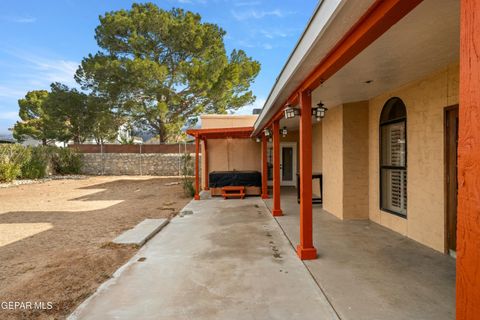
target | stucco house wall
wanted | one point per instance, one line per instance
(345, 160)
(332, 163)
(230, 154)
(355, 160)
(425, 101)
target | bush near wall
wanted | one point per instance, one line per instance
(19, 162)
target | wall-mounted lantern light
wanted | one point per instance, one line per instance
(258, 139)
(319, 111)
(284, 132)
(267, 132)
(291, 112)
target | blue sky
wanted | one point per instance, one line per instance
(44, 41)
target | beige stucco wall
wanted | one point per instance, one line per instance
(355, 160)
(345, 161)
(425, 101)
(316, 155)
(227, 121)
(230, 154)
(332, 163)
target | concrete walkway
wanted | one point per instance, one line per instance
(228, 260)
(369, 272)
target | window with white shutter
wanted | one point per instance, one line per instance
(393, 157)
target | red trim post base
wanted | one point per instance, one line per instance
(264, 168)
(277, 211)
(197, 177)
(306, 253)
(305, 249)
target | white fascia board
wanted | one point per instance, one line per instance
(324, 13)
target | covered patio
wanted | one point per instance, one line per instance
(369, 272)
(228, 259)
(397, 149)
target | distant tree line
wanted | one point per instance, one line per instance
(156, 70)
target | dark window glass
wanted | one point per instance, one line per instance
(393, 157)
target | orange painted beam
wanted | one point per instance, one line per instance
(197, 177)
(277, 211)
(264, 168)
(205, 172)
(306, 250)
(468, 213)
(221, 133)
(380, 17)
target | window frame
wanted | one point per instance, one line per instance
(380, 149)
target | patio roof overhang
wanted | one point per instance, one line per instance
(221, 133)
(335, 36)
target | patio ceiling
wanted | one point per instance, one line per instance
(424, 41)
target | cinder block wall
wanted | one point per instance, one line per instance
(155, 164)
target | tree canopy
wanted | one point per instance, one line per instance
(65, 114)
(156, 70)
(35, 121)
(161, 68)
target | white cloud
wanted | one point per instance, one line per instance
(245, 44)
(272, 34)
(41, 70)
(255, 14)
(26, 71)
(258, 104)
(267, 46)
(19, 19)
(247, 4)
(191, 1)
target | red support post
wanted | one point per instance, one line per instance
(264, 168)
(306, 250)
(468, 213)
(205, 161)
(197, 176)
(277, 211)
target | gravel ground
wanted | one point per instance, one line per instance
(30, 181)
(55, 236)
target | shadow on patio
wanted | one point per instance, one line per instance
(370, 272)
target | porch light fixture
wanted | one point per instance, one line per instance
(258, 139)
(291, 112)
(319, 111)
(284, 132)
(267, 132)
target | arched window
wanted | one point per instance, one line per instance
(393, 157)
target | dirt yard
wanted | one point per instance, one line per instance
(54, 237)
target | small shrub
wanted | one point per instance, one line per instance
(12, 158)
(66, 161)
(187, 173)
(36, 166)
(9, 171)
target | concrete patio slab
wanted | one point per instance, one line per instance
(228, 260)
(142, 232)
(369, 272)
